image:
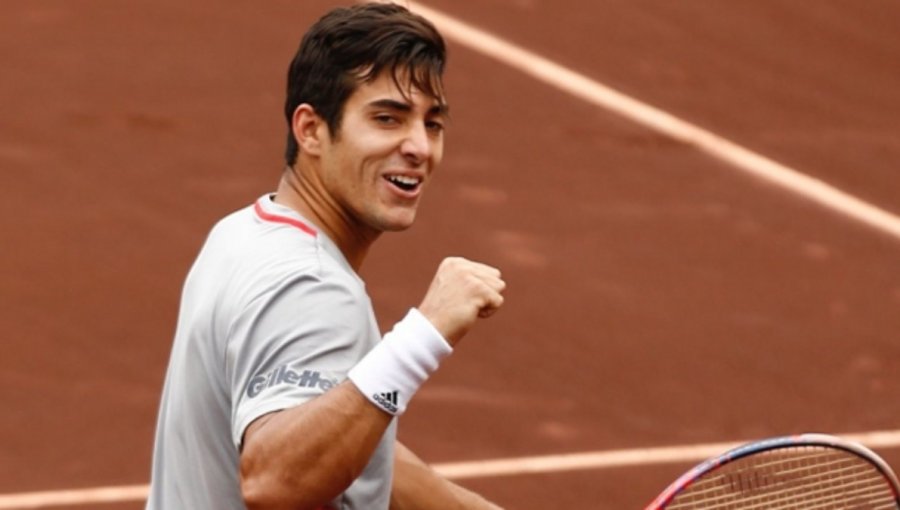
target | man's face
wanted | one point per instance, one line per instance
(378, 163)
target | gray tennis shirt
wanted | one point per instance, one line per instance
(271, 316)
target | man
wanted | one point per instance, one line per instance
(280, 392)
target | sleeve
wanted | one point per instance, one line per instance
(292, 343)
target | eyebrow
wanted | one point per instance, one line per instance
(393, 104)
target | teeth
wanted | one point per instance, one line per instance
(404, 181)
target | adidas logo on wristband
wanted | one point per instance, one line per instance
(387, 400)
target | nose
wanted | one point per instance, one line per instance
(417, 146)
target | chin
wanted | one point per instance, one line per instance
(398, 227)
(390, 219)
(398, 224)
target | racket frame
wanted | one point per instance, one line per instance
(775, 443)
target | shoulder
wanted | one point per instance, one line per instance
(262, 241)
(267, 227)
(267, 263)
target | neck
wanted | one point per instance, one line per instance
(350, 237)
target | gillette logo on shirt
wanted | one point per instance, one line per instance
(284, 375)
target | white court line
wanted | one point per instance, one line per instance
(460, 470)
(624, 458)
(48, 499)
(720, 148)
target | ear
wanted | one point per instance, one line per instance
(309, 129)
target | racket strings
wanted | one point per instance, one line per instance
(810, 490)
(812, 478)
(820, 500)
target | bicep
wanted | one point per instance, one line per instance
(253, 429)
(311, 452)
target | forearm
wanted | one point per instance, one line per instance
(418, 487)
(339, 431)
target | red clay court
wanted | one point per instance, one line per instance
(659, 294)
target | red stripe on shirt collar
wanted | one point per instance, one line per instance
(275, 218)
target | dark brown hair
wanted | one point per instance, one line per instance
(353, 45)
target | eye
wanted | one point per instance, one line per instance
(435, 126)
(385, 119)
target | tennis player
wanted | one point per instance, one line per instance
(281, 392)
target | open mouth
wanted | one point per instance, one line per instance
(404, 182)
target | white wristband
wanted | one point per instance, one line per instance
(392, 372)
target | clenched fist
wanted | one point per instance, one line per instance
(461, 292)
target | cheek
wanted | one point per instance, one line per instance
(438, 153)
(370, 150)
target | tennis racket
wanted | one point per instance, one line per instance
(803, 472)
